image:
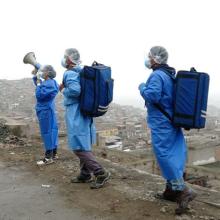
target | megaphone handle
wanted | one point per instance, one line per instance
(38, 80)
(37, 66)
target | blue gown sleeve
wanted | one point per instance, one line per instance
(72, 85)
(153, 90)
(46, 92)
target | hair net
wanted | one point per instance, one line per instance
(49, 70)
(159, 54)
(73, 55)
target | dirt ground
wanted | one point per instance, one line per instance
(128, 195)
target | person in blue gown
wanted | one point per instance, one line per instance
(81, 131)
(168, 142)
(45, 93)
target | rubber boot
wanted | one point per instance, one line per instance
(168, 195)
(183, 199)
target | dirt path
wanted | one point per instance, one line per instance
(22, 197)
(128, 196)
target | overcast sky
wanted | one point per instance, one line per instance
(118, 33)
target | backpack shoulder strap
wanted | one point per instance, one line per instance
(173, 78)
(159, 107)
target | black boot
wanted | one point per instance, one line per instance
(183, 199)
(47, 160)
(168, 194)
(49, 154)
(82, 179)
(55, 157)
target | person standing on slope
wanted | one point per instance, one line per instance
(167, 141)
(80, 129)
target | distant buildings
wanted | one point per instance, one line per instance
(122, 127)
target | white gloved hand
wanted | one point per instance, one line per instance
(38, 75)
(34, 72)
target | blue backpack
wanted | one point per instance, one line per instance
(190, 102)
(96, 89)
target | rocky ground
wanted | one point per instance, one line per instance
(46, 192)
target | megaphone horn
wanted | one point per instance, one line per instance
(30, 58)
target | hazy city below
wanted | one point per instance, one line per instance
(123, 141)
(122, 128)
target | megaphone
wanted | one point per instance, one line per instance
(30, 58)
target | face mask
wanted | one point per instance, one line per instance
(43, 75)
(148, 64)
(39, 74)
(63, 62)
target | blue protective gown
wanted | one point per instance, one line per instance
(45, 109)
(80, 129)
(168, 141)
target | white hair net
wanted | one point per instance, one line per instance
(73, 55)
(49, 70)
(159, 54)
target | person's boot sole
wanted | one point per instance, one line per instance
(160, 196)
(81, 181)
(45, 164)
